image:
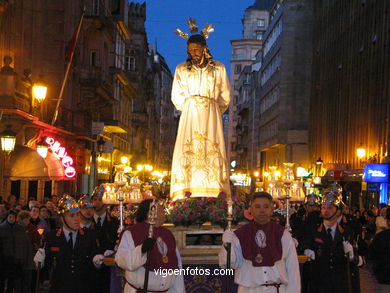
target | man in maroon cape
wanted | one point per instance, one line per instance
(263, 253)
(164, 255)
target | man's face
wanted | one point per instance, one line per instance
(72, 220)
(12, 200)
(196, 52)
(87, 212)
(311, 208)
(97, 202)
(22, 201)
(328, 211)
(43, 213)
(11, 218)
(34, 213)
(262, 210)
(25, 222)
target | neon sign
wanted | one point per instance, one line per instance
(376, 173)
(60, 152)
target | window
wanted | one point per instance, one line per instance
(260, 22)
(95, 7)
(237, 68)
(93, 58)
(130, 60)
(259, 35)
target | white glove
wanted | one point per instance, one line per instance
(310, 254)
(228, 236)
(296, 243)
(98, 260)
(348, 249)
(108, 252)
(361, 261)
(39, 257)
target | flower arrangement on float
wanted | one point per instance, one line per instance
(198, 210)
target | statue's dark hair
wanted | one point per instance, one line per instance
(199, 39)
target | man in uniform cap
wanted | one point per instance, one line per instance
(132, 254)
(329, 248)
(86, 212)
(262, 252)
(69, 252)
(106, 228)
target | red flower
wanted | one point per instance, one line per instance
(187, 194)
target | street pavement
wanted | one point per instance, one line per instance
(368, 282)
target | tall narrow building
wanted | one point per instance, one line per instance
(255, 23)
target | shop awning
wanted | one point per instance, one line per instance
(26, 163)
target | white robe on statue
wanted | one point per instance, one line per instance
(250, 278)
(131, 259)
(199, 162)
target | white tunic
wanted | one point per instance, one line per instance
(250, 278)
(199, 162)
(131, 259)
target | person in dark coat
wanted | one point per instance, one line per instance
(16, 255)
(107, 233)
(69, 253)
(329, 246)
(380, 255)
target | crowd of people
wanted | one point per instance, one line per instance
(60, 243)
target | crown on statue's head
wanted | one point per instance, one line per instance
(208, 28)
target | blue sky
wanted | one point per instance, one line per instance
(164, 16)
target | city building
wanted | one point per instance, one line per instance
(244, 52)
(99, 106)
(350, 105)
(284, 85)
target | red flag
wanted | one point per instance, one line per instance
(73, 42)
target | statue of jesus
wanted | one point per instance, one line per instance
(201, 92)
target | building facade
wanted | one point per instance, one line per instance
(350, 99)
(244, 53)
(107, 76)
(284, 85)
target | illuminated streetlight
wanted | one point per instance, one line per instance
(39, 92)
(8, 139)
(124, 160)
(360, 152)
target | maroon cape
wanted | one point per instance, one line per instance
(140, 232)
(272, 251)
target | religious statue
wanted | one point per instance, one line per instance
(201, 92)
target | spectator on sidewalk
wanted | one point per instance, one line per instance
(15, 254)
(380, 254)
(381, 222)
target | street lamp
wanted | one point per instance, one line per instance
(100, 145)
(360, 152)
(124, 160)
(39, 92)
(8, 139)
